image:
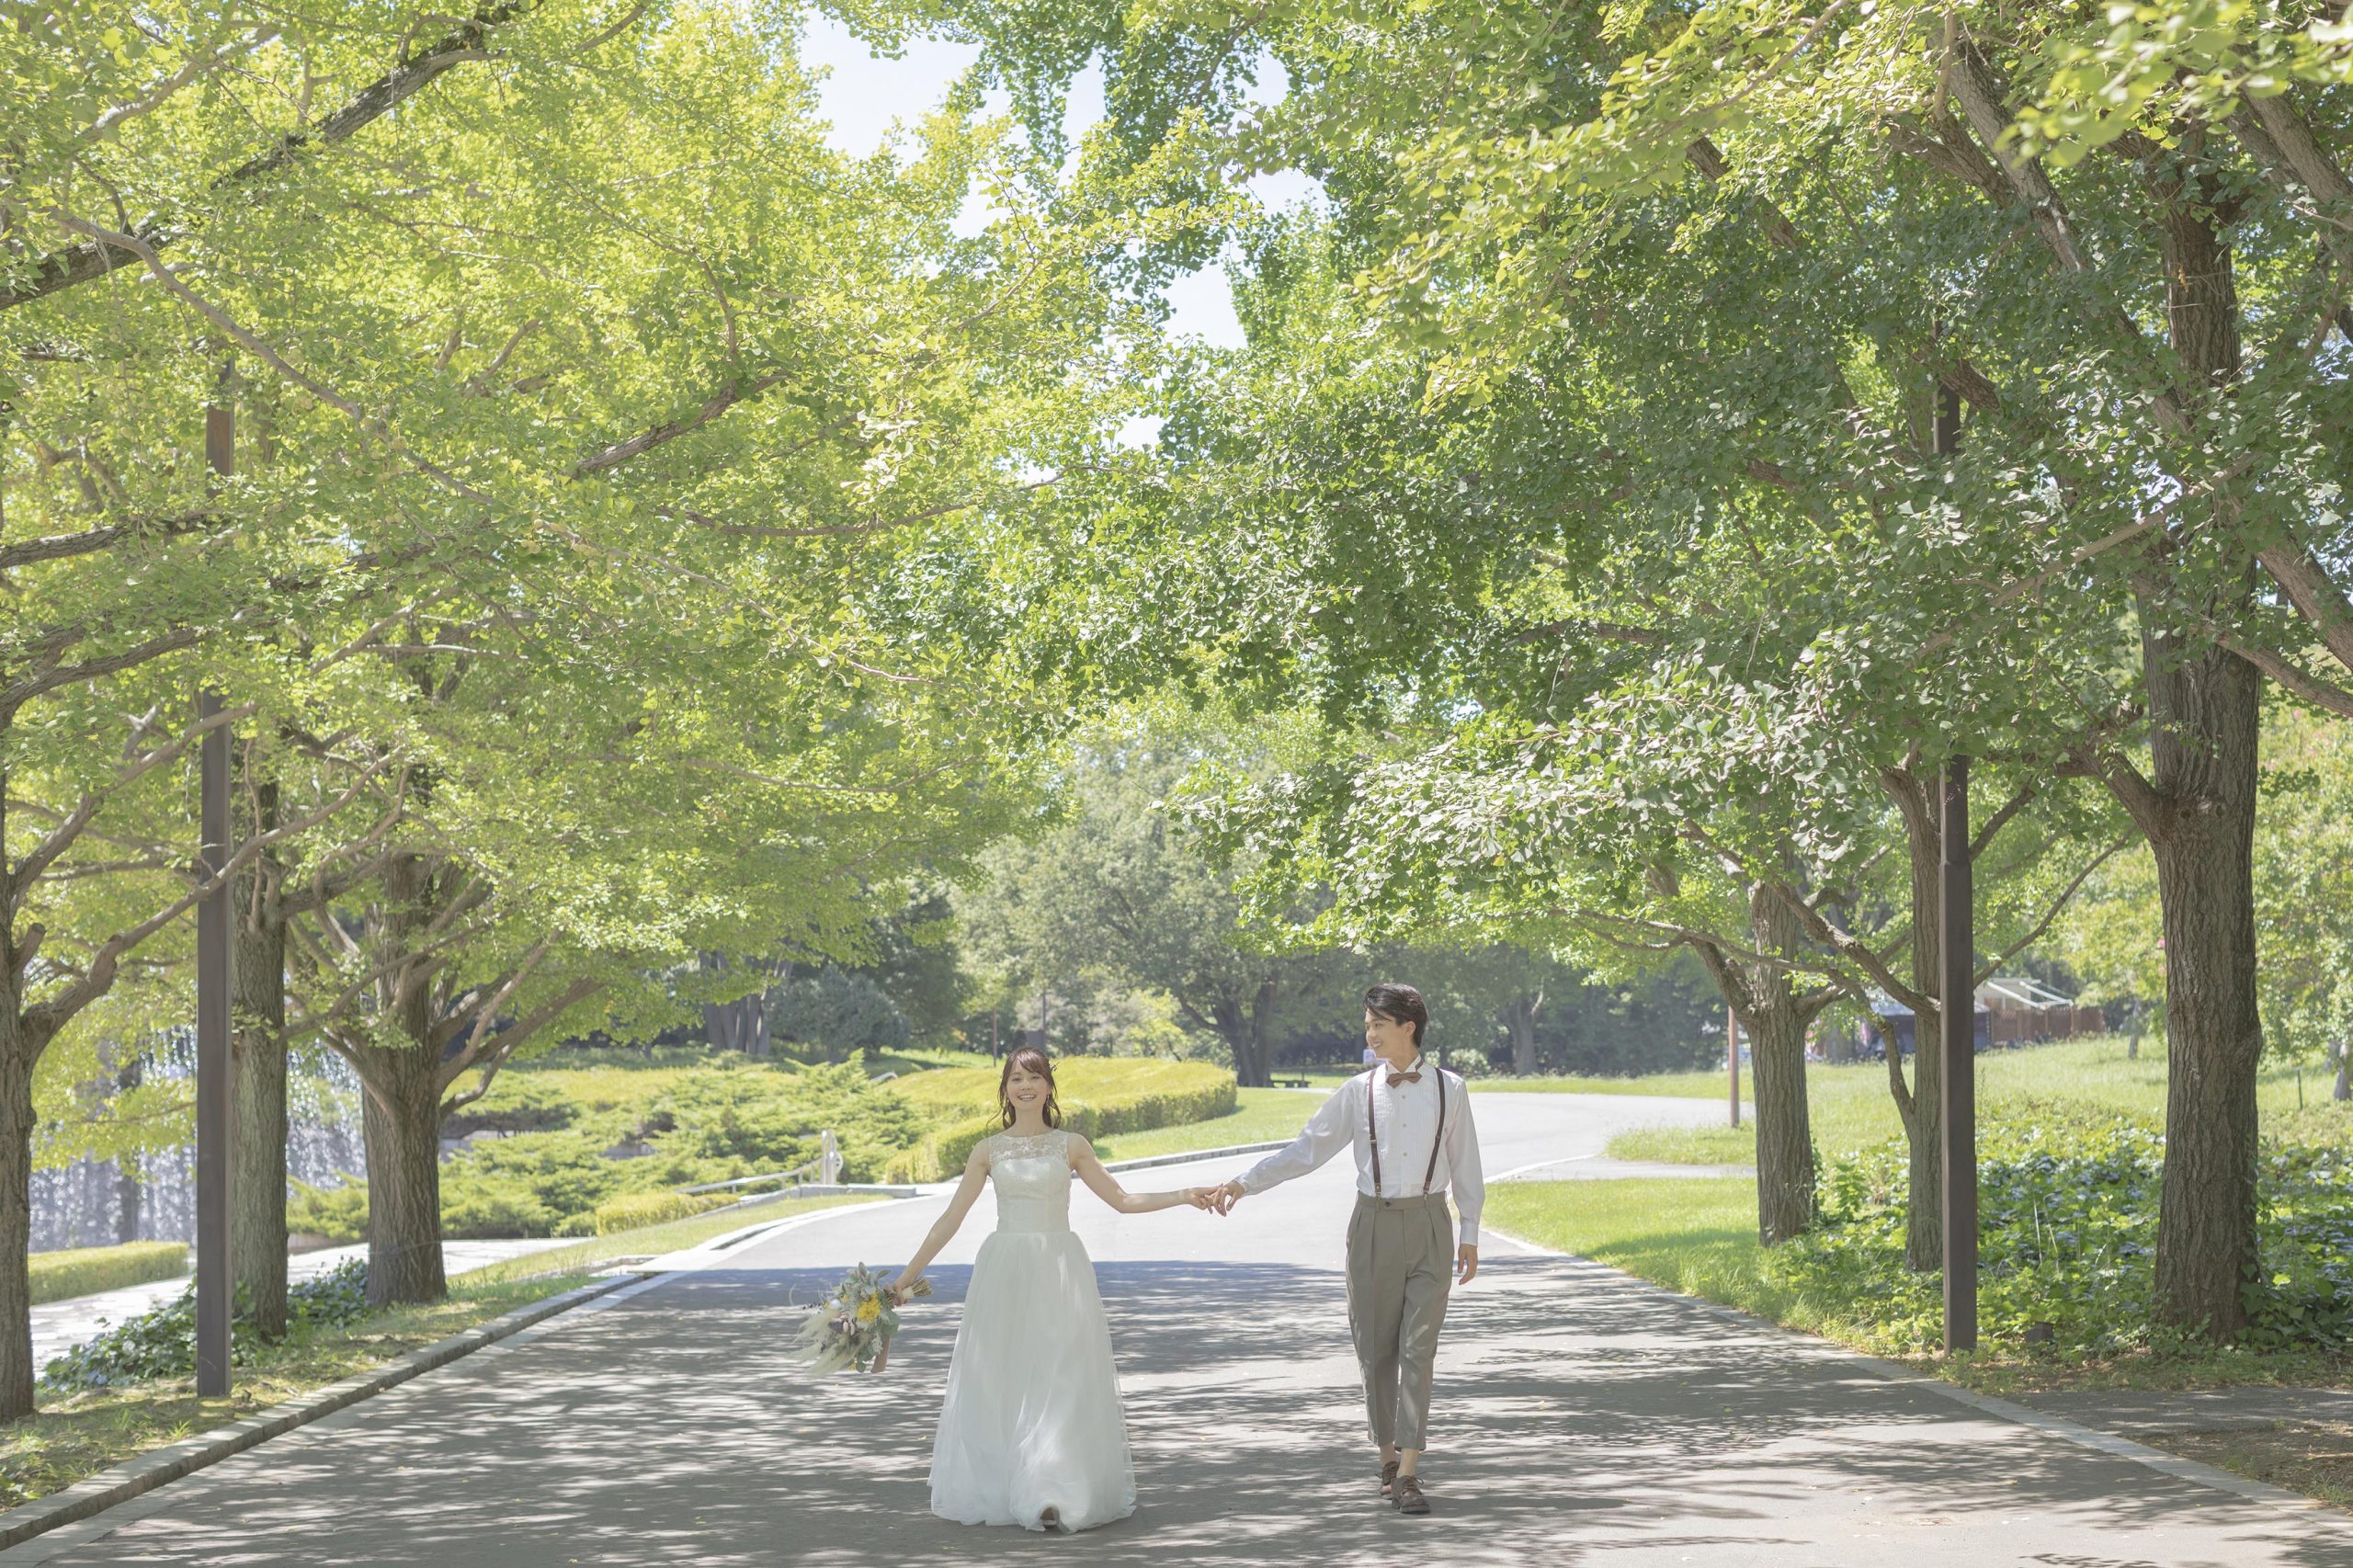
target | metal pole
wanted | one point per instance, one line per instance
(215, 1287)
(1959, 1006)
(1731, 1060)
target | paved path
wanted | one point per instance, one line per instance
(58, 1326)
(1583, 1418)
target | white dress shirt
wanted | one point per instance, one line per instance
(1406, 1117)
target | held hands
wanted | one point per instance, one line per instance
(1216, 1199)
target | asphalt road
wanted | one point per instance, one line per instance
(1581, 1418)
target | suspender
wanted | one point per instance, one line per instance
(1372, 1133)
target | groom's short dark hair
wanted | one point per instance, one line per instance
(1399, 1004)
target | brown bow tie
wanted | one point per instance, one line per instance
(1413, 1077)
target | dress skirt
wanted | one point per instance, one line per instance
(1032, 1418)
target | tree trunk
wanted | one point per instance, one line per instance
(402, 1123)
(125, 1197)
(728, 1026)
(257, 1114)
(1233, 1026)
(2205, 753)
(402, 1120)
(755, 1029)
(2203, 710)
(1519, 1018)
(2344, 1086)
(1785, 1172)
(257, 1077)
(1262, 1029)
(1767, 1006)
(18, 1054)
(1922, 1108)
(1776, 1023)
(126, 1166)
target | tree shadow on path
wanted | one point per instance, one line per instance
(1581, 1418)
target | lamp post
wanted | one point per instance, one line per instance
(215, 1289)
(1732, 1059)
(1958, 1004)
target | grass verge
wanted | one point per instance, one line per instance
(1850, 1108)
(2313, 1458)
(1697, 1235)
(652, 1240)
(1259, 1117)
(77, 1436)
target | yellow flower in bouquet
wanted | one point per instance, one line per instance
(854, 1325)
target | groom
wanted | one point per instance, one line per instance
(1410, 1125)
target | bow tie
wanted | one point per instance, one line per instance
(1413, 1077)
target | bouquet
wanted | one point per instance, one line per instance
(853, 1325)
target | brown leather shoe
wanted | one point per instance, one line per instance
(1408, 1493)
(1388, 1478)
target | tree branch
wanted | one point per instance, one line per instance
(75, 265)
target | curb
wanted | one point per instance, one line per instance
(2311, 1509)
(144, 1472)
(1146, 1164)
(664, 1267)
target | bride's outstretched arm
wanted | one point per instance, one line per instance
(1101, 1183)
(968, 1192)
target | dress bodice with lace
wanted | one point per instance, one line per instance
(1031, 1178)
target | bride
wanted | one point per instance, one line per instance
(1031, 1433)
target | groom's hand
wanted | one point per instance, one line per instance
(1228, 1196)
(1466, 1263)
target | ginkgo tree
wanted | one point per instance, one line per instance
(1770, 236)
(608, 452)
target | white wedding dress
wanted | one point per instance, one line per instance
(1032, 1420)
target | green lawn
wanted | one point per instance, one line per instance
(1850, 1106)
(1697, 1236)
(70, 1437)
(1704, 1085)
(1707, 1083)
(81, 1434)
(1262, 1116)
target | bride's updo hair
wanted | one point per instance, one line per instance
(1032, 1058)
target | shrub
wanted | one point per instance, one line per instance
(2067, 1227)
(1119, 1095)
(161, 1342)
(83, 1271)
(520, 1103)
(642, 1209)
(338, 1213)
(540, 1175)
(495, 1214)
(730, 1118)
(731, 1124)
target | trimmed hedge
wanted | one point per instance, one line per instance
(83, 1271)
(642, 1209)
(1119, 1095)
